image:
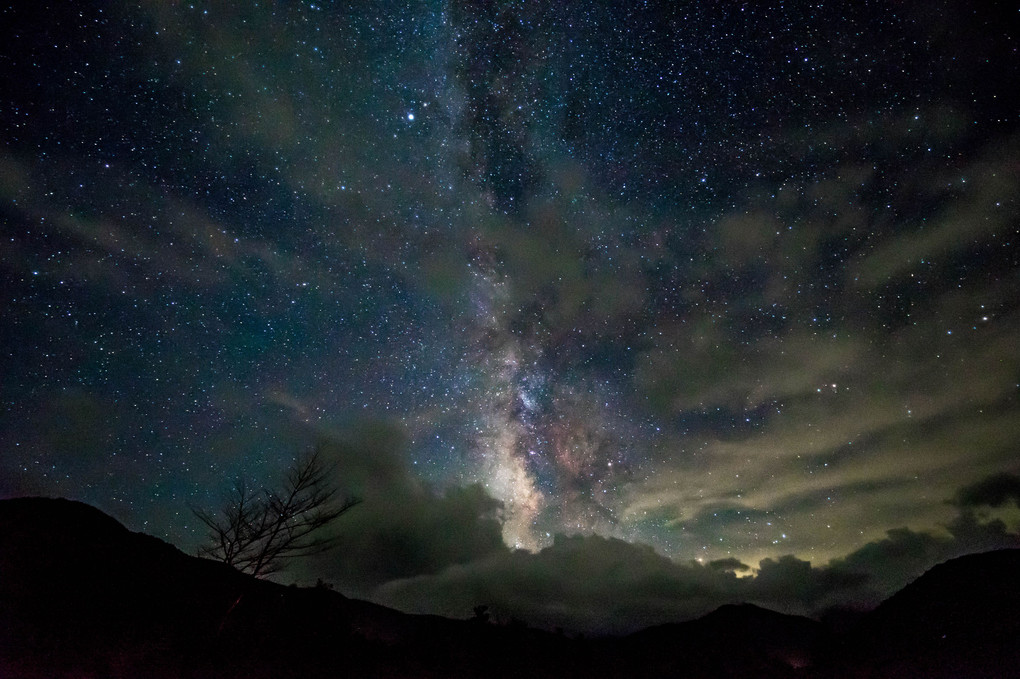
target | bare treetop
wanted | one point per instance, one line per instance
(258, 531)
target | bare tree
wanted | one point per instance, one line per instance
(258, 531)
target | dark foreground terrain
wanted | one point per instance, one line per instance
(81, 596)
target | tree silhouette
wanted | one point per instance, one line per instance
(258, 531)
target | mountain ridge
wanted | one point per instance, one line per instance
(81, 595)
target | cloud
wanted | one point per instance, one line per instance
(399, 535)
(832, 440)
(581, 583)
(403, 528)
(973, 209)
(729, 564)
(606, 585)
(422, 551)
(994, 491)
(780, 582)
(903, 554)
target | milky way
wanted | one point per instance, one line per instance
(732, 282)
(550, 449)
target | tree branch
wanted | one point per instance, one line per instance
(257, 532)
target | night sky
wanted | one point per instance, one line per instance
(597, 305)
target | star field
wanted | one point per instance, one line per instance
(732, 283)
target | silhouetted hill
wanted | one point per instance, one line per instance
(960, 619)
(81, 596)
(732, 641)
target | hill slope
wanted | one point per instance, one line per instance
(961, 618)
(82, 596)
